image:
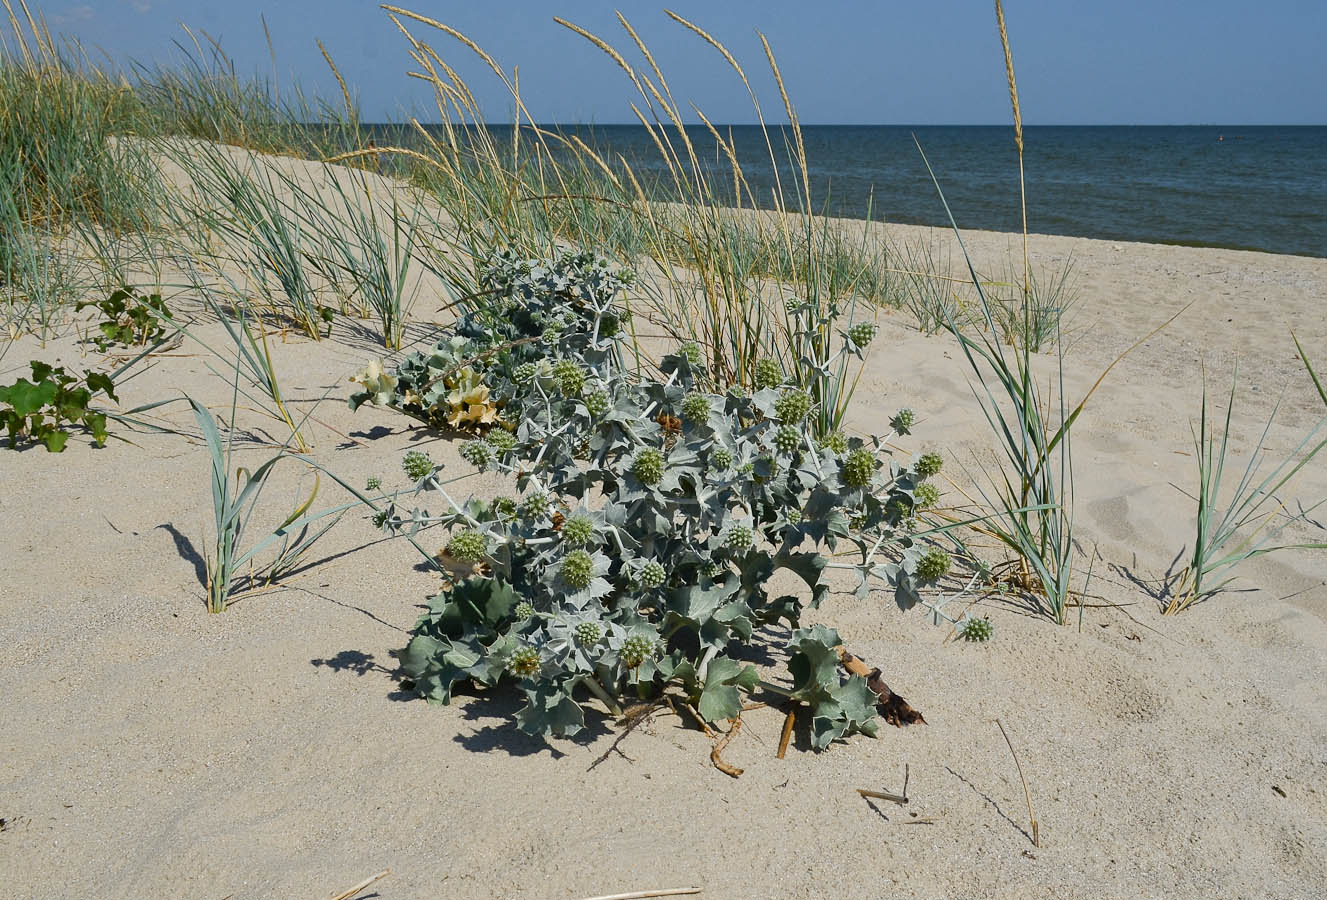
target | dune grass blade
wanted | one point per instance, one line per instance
(265, 229)
(355, 250)
(234, 500)
(1322, 391)
(1252, 509)
(1034, 494)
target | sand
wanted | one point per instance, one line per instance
(153, 750)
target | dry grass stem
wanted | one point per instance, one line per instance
(1027, 795)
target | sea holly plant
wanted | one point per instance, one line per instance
(651, 518)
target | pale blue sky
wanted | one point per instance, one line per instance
(854, 61)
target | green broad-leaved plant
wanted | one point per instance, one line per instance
(653, 519)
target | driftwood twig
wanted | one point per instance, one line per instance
(881, 795)
(350, 892)
(640, 895)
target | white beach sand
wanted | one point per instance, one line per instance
(153, 750)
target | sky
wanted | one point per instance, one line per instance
(1127, 62)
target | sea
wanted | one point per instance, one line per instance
(1235, 186)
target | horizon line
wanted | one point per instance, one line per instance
(637, 124)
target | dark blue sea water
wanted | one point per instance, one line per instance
(1247, 187)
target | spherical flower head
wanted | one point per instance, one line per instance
(570, 377)
(636, 649)
(578, 530)
(794, 516)
(721, 458)
(978, 630)
(416, 464)
(534, 505)
(597, 403)
(748, 469)
(903, 421)
(787, 439)
(648, 466)
(524, 372)
(504, 506)
(552, 334)
(467, 546)
(524, 662)
(858, 468)
(652, 575)
(373, 484)
(836, 442)
(933, 565)
(589, 633)
(609, 325)
(380, 518)
(790, 304)
(500, 440)
(792, 407)
(768, 374)
(695, 407)
(862, 333)
(476, 453)
(739, 538)
(524, 610)
(578, 569)
(926, 495)
(713, 570)
(691, 352)
(929, 464)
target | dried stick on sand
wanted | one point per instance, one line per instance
(350, 892)
(640, 895)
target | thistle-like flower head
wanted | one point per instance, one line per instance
(467, 546)
(416, 464)
(652, 575)
(791, 408)
(978, 630)
(578, 530)
(648, 466)
(636, 649)
(929, 464)
(524, 662)
(933, 565)
(787, 439)
(477, 453)
(768, 374)
(578, 569)
(589, 633)
(695, 407)
(858, 468)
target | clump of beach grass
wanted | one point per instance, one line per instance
(744, 283)
(1247, 523)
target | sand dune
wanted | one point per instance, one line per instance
(152, 750)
